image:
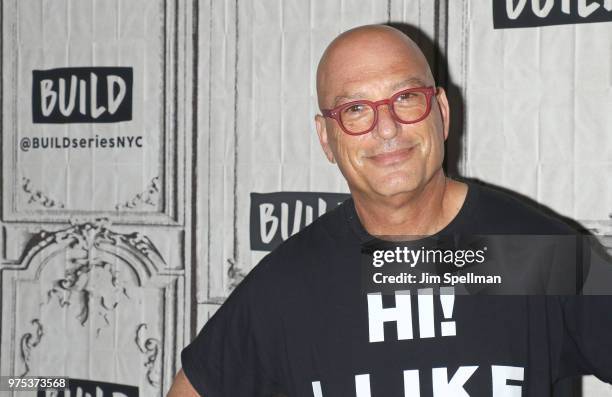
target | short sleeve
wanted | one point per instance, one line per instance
(233, 354)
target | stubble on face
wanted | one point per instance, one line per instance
(368, 63)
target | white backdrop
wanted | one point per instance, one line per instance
(224, 97)
(535, 103)
(538, 115)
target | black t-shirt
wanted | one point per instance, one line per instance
(299, 324)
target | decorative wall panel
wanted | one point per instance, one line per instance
(87, 302)
(76, 159)
(96, 231)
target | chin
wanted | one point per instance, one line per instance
(396, 184)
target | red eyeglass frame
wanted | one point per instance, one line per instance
(334, 113)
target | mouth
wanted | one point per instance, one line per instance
(394, 157)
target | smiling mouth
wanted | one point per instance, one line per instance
(390, 158)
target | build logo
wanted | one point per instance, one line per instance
(532, 13)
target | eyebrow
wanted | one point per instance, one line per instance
(409, 82)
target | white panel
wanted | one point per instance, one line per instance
(78, 298)
(521, 59)
(559, 196)
(537, 117)
(593, 190)
(593, 387)
(593, 137)
(593, 56)
(88, 302)
(556, 116)
(298, 129)
(521, 125)
(557, 70)
(491, 142)
(552, 98)
(57, 34)
(486, 56)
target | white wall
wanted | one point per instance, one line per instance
(224, 96)
(538, 116)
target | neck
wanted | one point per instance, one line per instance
(422, 212)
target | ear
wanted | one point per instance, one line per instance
(320, 122)
(444, 109)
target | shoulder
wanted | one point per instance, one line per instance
(307, 251)
(503, 212)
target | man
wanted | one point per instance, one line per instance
(301, 325)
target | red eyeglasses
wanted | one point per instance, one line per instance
(360, 117)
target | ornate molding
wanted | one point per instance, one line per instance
(148, 197)
(151, 347)
(93, 285)
(90, 237)
(38, 196)
(91, 282)
(96, 277)
(28, 342)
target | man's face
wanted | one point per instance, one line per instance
(393, 158)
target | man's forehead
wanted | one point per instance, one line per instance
(370, 56)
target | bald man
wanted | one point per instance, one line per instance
(301, 325)
(394, 171)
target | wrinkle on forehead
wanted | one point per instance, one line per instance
(367, 48)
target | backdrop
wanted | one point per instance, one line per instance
(154, 150)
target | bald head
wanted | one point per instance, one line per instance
(364, 52)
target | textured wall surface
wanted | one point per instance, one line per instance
(94, 247)
(537, 115)
(124, 253)
(536, 103)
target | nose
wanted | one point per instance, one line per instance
(387, 127)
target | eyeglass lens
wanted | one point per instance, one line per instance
(408, 107)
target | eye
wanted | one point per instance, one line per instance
(355, 109)
(406, 97)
